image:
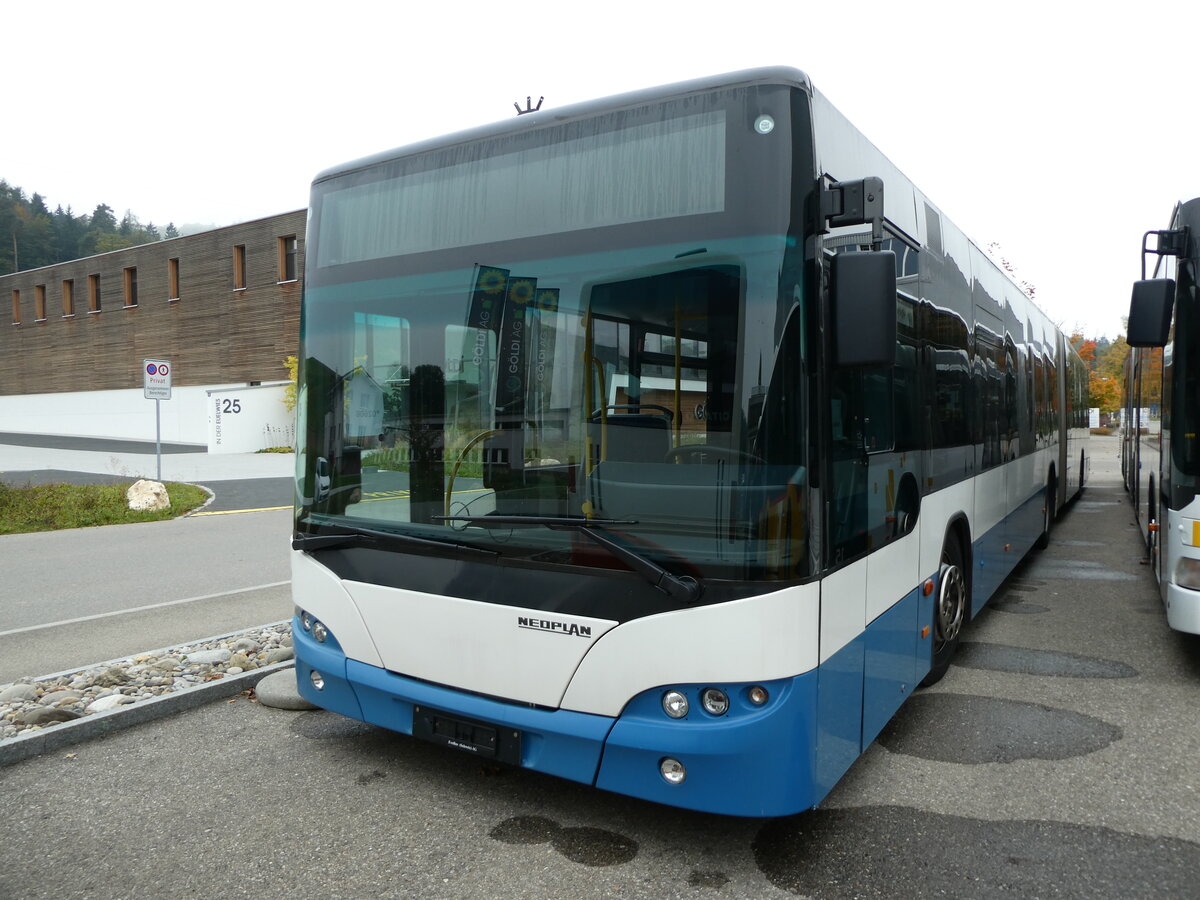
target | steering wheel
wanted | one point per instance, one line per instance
(694, 454)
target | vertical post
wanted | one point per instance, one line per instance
(158, 437)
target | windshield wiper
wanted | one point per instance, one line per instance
(370, 537)
(681, 587)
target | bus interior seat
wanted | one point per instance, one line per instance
(632, 436)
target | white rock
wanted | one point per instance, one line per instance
(148, 495)
(212, 657)
(112, 701)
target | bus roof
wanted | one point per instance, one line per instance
(782, 75)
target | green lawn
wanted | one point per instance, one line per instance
(50, 507)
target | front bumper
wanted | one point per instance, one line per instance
(750, 762)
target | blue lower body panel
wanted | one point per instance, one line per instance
(752, 761)
(557, 742)
(998, 551)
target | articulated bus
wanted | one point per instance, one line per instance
(1161, 455)
(645, 445)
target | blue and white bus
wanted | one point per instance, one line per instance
(1161, 453)
(644, 444)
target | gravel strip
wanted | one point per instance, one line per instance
(227, 663)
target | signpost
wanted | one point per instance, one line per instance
(156, 385)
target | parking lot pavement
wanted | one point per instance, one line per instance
(1056, 758)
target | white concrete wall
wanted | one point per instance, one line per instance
(249, 419)
(124, 415)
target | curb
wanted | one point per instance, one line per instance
(44, 740)
(35, 743)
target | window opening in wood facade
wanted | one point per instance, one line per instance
(16, 298)
(93, 294)
(287, 258)
(68, 297)
(173, 278)
(39, 302)
(131, 290)
(239, 267)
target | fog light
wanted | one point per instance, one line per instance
(758, 695)
(319, 631)
(305, 621)
(675, 704)
(318, 680)
(715, 701)
(672, 770)
(1187, 573)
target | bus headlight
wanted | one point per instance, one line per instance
(319, 631)
(305, 621)
(1187, 573)
(715, 701)
(675, 704)
(758, 695)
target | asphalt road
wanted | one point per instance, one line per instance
(77, 597)
(1057, 759)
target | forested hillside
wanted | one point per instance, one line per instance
(32, 236)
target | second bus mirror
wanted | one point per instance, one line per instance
(1150, 312)
(863, 298)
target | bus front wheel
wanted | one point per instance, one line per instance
(949, 611)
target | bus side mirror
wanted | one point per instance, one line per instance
(863, 298)
(1150, 312)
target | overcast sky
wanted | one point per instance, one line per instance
(1061, 130)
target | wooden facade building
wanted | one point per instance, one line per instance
(222, 305)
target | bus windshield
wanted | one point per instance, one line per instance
(475, 357)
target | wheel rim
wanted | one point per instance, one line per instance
(952, 604)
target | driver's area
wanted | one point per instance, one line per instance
(663, 428)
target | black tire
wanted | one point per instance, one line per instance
(950, 610)
(1043, 540)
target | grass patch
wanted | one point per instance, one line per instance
(50, 507)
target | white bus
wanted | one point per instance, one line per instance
(644, 444)
(1161, 453)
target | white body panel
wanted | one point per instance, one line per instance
(475, 646)
(1179, 540)
(755, 639)
(481, 647)
(892, 571)
(843, 607)
(991, 495)
(319, 592)
(936, 511)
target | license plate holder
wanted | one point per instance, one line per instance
(482, 739)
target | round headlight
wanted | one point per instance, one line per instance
(675, 704)
(672, 770)
(318, 680)
(758, 695)
(764, 124)
(319, 631)
(306, 621)
(715, 701)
